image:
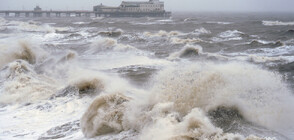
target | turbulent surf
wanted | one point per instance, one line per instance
(192, 76)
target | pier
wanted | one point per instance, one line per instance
(23, 13)
(152, 8)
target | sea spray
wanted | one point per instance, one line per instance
(23, 50)
(104, 115)
(182, 97)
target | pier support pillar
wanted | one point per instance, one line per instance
(57, 14)
(68, 14)
(87, 14)
(37, 14)
(17, 14)
(27, 14)
(48, 15)
(7, 14)
(78, 14)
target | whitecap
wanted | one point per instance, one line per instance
(277, 23)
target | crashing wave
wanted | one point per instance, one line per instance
(182, 96)
(277, 23)
(33, 26)
(208, 86)
(89, 85)
(187, 51)
(24, 51)
(104, 115)
(23, 85)
(108, 44)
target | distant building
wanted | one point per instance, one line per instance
(103, 8)
(37, 8)
(151, 6)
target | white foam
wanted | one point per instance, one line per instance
(108, 44)
(217, 39)
(30, 122)
(21, 49)
(277, 23)
(162, 33)
(182, 95)
(2, 21)
(201, 31)
(278, 51)
(32, 26)
(80, 23)
(228, 35)
(176, 40)
(220, 22)
(260, 95)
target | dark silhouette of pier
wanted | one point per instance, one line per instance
(27, 13)
(18, 13)
(24, 13)
(38, 12)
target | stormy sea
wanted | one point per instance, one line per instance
(193, 76)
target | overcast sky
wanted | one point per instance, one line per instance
(171, 5)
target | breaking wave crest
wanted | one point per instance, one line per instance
(89, 84)
(24, 51)
(104, 115)
(182, 96)
(33, 26)
(108, 44)
(208, 86)
(23, 85)
(187, 51)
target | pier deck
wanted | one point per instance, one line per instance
(77, 13)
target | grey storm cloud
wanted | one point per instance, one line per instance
(172, 5)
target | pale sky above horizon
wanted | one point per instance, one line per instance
(170, 5)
